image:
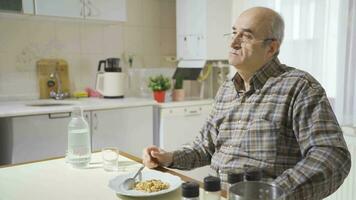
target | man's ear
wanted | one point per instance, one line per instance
(273, 48)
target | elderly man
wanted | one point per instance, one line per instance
(269, 116)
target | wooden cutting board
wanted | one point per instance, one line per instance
(47, 66)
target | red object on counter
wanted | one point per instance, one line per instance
(159, 96)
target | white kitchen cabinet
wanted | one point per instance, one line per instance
(111, 10)
(63, 8)
(179, 123)
(34, 137)
(17, 6)
(201, 25)
(129, 129)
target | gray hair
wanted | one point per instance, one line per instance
(277, 28)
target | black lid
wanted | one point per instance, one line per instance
(253, 174)
(190, 189)
(233, 177)
(212, 184)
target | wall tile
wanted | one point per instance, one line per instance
(114, 40)
(151, 41)
(151, 13)
(91, 38)
(134, 44)
(168, 42)
(168, 13)
(148, 34)
(67, 35)
(134, 12)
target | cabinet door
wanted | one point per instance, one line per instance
(39, 137)
(113, 10)
(191, 17)
(63, 8)
(129, 129)
(191, 47)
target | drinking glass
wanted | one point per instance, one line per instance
(110, 156)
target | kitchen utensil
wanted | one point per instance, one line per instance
(129, 183)
(255, 190)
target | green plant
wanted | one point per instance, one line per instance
(178, 84)
(159, 83)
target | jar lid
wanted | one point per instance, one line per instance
(212, 184)
(233, 177)
(253, 174)
(190, 189)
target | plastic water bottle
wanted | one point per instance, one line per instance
(79, 145)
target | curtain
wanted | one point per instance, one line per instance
(320, 38)
(346, 95)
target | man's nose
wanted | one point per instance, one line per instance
(235, 42)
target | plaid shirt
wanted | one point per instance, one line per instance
(284, 125)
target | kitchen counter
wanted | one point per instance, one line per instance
(54, 179)
(45, 106)
(175, 104)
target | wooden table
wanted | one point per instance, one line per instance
(53, 179)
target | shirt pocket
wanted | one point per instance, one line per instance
(261, 139)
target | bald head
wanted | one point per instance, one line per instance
(268, 23)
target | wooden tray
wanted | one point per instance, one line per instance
(47, 66)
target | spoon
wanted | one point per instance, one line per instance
(129, 183)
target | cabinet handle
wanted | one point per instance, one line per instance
(95, 122)
(59, 115)
(192, 112)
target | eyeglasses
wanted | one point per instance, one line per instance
(245, 37)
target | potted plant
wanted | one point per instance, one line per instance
(178, 91)
(159, 84)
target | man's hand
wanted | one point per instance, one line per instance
(154, 156)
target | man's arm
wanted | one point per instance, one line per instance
(326, 159)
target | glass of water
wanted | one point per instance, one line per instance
(110, 156)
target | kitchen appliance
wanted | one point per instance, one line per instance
(110, 80)
(255, 190)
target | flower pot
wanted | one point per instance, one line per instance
(159, 96)
(178, 95)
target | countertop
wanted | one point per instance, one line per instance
(54, 179)
(31, 107)
(186, 103)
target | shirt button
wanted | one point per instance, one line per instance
(239, 121)
(230, 146)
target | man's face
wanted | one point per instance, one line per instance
(247, 49)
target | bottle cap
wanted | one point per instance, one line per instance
(253, 174)
(234, 177)
(190, 189)
(212, 184)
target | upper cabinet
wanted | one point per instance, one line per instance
(201, 25)
(105, 10)
(63, 8)
(17, 6)
(112, 10)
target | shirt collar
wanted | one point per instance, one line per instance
(270, 69)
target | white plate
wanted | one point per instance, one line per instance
(174, 183)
